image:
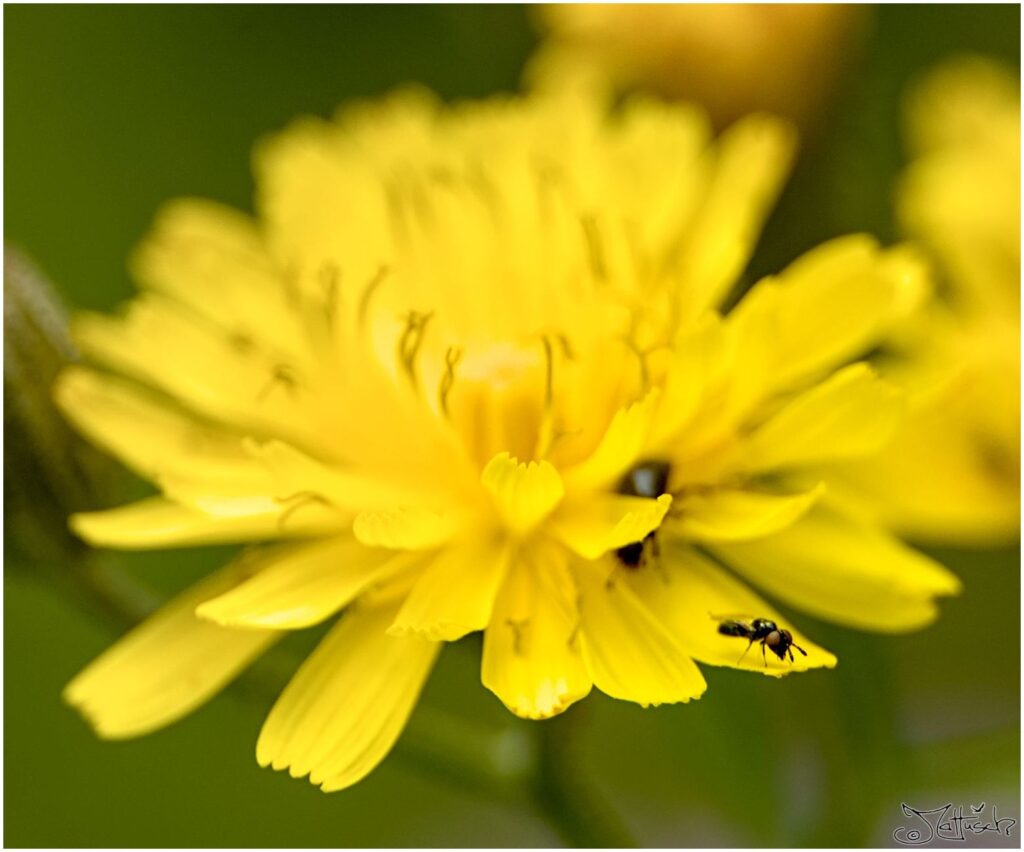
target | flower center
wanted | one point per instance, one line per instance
(497, 397)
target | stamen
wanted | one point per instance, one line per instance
(594, 248)
(452, 356)
(574, 635)
(549, 363)
(549, 372)
(367, 295)
(517, 628)
(567, 349)
(241, 342)
(442, 175)
(298, 500)
(283, 375)
(641, 354)
(548, 173)
(411, 340)
(330, 280)
(478, 181)
(641, 261)
(419, 200)
(290, 285)
(396, 210)
(552, 178)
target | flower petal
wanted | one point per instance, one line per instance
(160, 342)
(529, 660)
(349, 490)
(752, 161)
(938, 480)
(344, 709)
(843, 570)
(852, 413)
(407, 528)
(165, 667)
(628, 653)
(303, 586)
(156, 522)
(524, 494)
(830, 305)
(690, 595)
(737, 514)
(695, 367)
(213, 259)
(620, 448)
(593, 527)
(455, 594)
(145, 433)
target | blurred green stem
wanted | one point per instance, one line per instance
(576, 810)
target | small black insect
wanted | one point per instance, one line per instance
(645, 479)
(765, 631)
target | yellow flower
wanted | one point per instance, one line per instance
(952, 473)
(733, 58)
(464, 373)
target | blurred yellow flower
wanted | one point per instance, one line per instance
(734, 58)
(465, 372)
(952, 474)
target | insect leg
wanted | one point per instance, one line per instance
(740, 660)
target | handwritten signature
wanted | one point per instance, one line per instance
(949, 823)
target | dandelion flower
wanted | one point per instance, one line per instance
(465, 373)
(952, 473)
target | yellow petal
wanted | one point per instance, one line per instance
(284, 478)
(620, 448)
(628, 652)
(524, 494)
(165, 667)
(226, 499)
(346, 706)
(939, 480)
(407, 528)
(302, 586)
(737, 514)
(301, 171)
(605, 522)
(144, 432)
(455, 594)
(853, 413)
(530, 661)
(296, 472)
(194, 463)
(160, 343)
(843, 570)
(156, 522)
(212, 258)
(690, 595)
(830, 305)
(693, 370)
(753, 158)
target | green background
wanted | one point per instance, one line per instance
(110, 111)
